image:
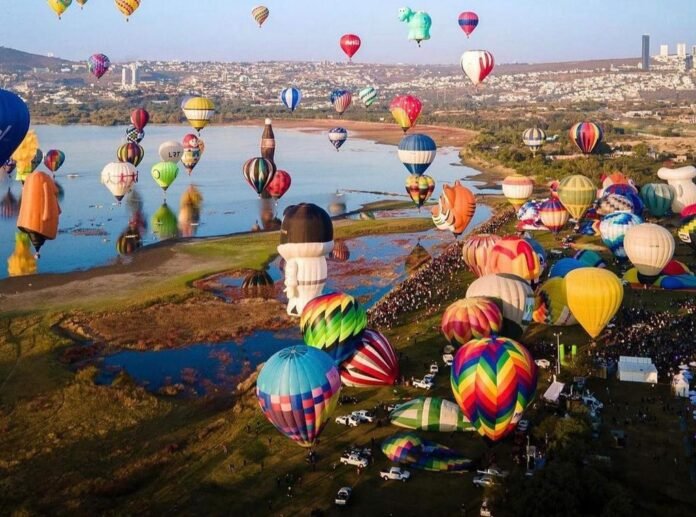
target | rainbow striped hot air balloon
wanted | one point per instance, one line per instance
(258, 173)
(493, 381)
(517, 189)
(471, 318)
(297, 390)
(420, 188)
(260, 14)
(374, 363)
(417, 152)
(291, 98)
(333, 322)
(199, 111)
(553, 215)
(54, 159)
(586, 136)
(410, 449)
(477, 252)
(576, 192)
(367, 96)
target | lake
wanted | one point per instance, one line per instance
(92, 220)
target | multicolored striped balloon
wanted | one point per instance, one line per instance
(430, 414)
(291, 98)
(471, 318)
(368, 96)
(477, 252)
(493, 381)
(420, 188)
(260, 14)
(258, 173)
(54, 159)
(552, 303)
(586, 136)
(373, 364)
(297, 390)
(410, 449)
(553, 215)
(333, 322)
(576, 192)
(516, 256)
(130, 153)
(341, 100)
(468, 21)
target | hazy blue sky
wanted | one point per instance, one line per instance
(514, 30)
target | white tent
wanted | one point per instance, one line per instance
(637, 369)
(554, 391)
(680, 386)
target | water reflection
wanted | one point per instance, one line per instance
(131, 238)
(269, 220)
(258, 284)
(338, 205)
(22, 261)
(418, 257)
(340, 253)
(190, 211)
(164, 223)
(9, 206)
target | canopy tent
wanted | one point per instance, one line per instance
(680, 386)
(554, 391)
(637, 369)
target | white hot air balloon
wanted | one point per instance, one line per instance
(682, 180)
(119, 178)
(515, 295)
(171, 151)
(649, 247)
(477, 64)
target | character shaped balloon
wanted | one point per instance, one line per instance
(419, 23)
(39, 211)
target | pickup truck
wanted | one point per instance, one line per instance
(363, 415)
(355, 460)
(493, 471)
(425, 383)
(348, 420)
(395, 473)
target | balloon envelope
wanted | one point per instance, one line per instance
(14, 123)
(594, 297)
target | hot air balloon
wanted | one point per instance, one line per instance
(338, 136)
(193, 152)
(291, 98)
(417, 152)
(258, 284)
(98, 65)
(119, 178)
(493, 381)
(199, 111)
(133, 135)
(406, 109)
(341, 100)
(39, 210)
(419, 23)
(553, 215)
(350, 44)
(190, 212)
(9, 206)
(477, 252)
(333, 322)
(534, 138)
(59, 6)
(551, 307)
(586, 136)
(649, 247)
(374, 363)
(340, 253)
(164, 174)
(24, 169)
(14, 121)
(515, 295)
(298, 389)
(687, 231)
(54, 159)
(616, 178)
(279, 185)
(577, 193)
(130, 153)
(455, 209)
(139, 118)
(613, 230)
(564, 266)
(164, 223)
(517, 257)
(681, 181)
(477, 65)
(412, 450)
(629, 192)
(517, 189)
(306, 238)
(258, 172)
(368, 96)
(468, 21)
(611, 203)
(432, 414)
(471, 318)
(171, 151)
(590, 258)
(260, 14)
(594, 297)
(22, 261)
(127, 7)
(419, 188)
(657, 198)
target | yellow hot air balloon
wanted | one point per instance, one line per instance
(127, 7)
(594, 297)
(199, 111)
(260, 14)
(649, 247)
(25, 153)
(22, 261)
(517, 189)
(551, 306)
(59, 6)
(576, 193)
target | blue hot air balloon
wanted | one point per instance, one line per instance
(565, 266)
(417, 152)
(291, 97)
(298, 390)
(338, 136)
(628, 192)
(14, 123)
(613, 228)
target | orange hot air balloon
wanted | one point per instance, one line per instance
(517, 257)
(477, 252)
(39, 212)
(455, 209)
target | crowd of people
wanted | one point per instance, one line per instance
(431, 285)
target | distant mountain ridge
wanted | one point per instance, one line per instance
(13, 60)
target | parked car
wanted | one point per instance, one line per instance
(543, 363)
(355, 460)
(423, 383)
(395, 473)
(448, 359)
(523, 425)
(343, 495)
(348, 420)
(364, 416)
(345, 399)
(434, 368)
(364, 452)
(484, 481)
(493, 471)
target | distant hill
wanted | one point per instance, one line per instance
(12, 60)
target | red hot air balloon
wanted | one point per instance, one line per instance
(279, 185)
(139, 118)
(350, 43)
(406, 109)
(586, 136)
(468, 21)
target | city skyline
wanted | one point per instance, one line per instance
(588, 31)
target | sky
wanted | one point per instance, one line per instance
(223, 30)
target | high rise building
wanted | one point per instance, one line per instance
(693, 50)
(664, 50)
(645, 62)
(135, 77)
(681, 50)
(124, 77)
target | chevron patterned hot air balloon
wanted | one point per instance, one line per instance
(333, 322)
(493, 381)
(471, 318)
(374, 363)
(419, 188)
(410, 449)
(611, 203)
(477, 252)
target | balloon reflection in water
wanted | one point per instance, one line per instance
(269, 221)
(190, 211)
(164, 223)
(129, 241)
(418, 257)
(258, 284)
(9, 206)
(340, 253)
(22, 261)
